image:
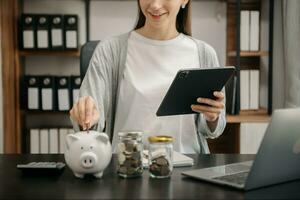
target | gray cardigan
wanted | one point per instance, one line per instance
(106, 70)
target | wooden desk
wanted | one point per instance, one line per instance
(14, 185)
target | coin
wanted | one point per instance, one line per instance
(121, 147)
(162, 161)
(130, 158)
(160, 167)
(121, 158)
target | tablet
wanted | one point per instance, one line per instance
(189, 84)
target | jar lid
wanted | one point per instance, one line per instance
(130, 134)
(160, 138)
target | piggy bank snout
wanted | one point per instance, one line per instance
(88, 160)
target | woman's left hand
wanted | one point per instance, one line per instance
(213, 109)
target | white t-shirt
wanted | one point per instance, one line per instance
(150, 67)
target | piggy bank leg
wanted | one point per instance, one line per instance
(98, 175)
(78, 175)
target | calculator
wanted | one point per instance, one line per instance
(41, 167)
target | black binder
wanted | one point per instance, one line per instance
(63, 86)
(42, 32)
(57, 32)
(27, 32)
(75, 85)
(47, 93)
(32, 99)
(71, 31)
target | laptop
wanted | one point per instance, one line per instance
(277, 160)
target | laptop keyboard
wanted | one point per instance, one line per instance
(239, 178)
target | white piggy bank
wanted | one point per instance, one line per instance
(88, 153)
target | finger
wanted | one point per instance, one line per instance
(89, 105)
(95, 116)
(217, 104)
(81, 111)
(200, 108)
(219, 95)
(72, 115)
(75, 114)
(210, 116)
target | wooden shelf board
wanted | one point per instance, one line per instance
(253, 116)
(45, 112)
(248, 53)
(73, 53)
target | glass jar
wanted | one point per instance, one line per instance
(130, 151)
(160, 156)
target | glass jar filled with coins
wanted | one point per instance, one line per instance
(160, 156)
(130, 151)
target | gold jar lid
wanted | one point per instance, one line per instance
(160, 138)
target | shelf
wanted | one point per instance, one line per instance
(248, 53)
(71, 53)
(250, 116)
(46, 112)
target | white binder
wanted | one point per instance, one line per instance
(254, 30)
(245, 26)
(63, 132)
(53, 136)
(254, 89)
(34, 141)
(244, 89)
(44, 141)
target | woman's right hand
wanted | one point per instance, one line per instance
(85, 112)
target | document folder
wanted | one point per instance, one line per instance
(71, 31)
(63, 93)
(75, 85)
(42, 32)
(57, 32)
(32, 92)
(47, 92)
(27, 32)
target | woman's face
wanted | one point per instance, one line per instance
(161, 12)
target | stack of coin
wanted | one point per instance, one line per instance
(160, 166)
(160, 156)
(130, 158)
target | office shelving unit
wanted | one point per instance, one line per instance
(229, 142)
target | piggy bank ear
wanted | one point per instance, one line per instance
(70, 139)
(102, 138)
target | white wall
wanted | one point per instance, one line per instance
(209, 25)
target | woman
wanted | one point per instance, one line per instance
(129, 75)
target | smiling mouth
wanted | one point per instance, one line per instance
(157, 16)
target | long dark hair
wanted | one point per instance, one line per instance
(183, 21)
